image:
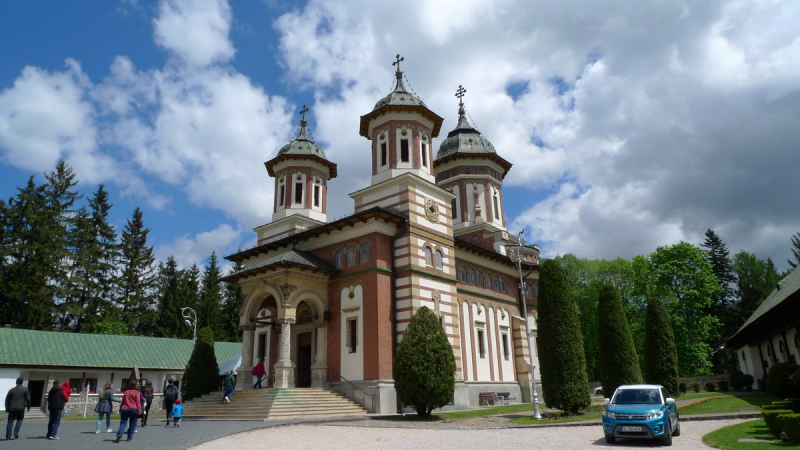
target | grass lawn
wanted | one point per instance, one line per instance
(731, 404)
(490, 411)
(728, 437)
(594, 412)
(702, 394)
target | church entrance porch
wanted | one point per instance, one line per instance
(303, 360)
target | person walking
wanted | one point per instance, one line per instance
(55, 404)
(177, 412)
(170, 395)
(259, 371)
(129, 410)
(148, 401)
(105, 407)
(17, 400)
(230, 383)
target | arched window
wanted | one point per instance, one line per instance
(463, 273)
(472, 277)
(351, 256)
(503, 287)
(338, 259)
(480, 279)
(496, 284)
(364, 253)
(438, 258)
(428, 256)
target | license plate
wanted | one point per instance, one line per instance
(631, 429)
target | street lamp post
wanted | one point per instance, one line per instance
(534, 396)
(190, 319)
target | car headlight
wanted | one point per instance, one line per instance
(609, 414)
(655, 415)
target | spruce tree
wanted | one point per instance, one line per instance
(617, 358)
(660, 356)
(424, 367)
(136, 280)
(170, 321)
(795, 250)
(209, 312)
(202, 372)
(719, 258)
(563, 367)
(232, 307)
(103, 258)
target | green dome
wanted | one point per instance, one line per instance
(464, 139)
(302, 145)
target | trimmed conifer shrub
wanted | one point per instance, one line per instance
(790, 424)
(770, 418)
(711, 386)
(617, 360)
(660, 356)
(563, 365)
(779, 383)
(424, 367)
(202, 372)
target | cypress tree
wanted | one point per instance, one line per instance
(660, 356)
(424, 368)
(563, 367)
(202, 372)
(617, 358)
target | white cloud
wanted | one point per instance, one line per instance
(195, 31)
(190, 250)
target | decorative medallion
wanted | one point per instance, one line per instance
(431, 210)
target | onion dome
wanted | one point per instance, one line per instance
(302, 146)
(400, 100)
(464, 138)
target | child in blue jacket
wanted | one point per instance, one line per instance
(177, 412)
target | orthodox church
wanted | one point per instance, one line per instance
(326, 303)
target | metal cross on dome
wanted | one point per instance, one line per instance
(397, 63)
(460, 93)
(304, 111)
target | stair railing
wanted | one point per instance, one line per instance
(356, 388)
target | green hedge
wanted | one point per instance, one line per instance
(681, 387)
(770, 418)
(772, 407)
(795, 404)
(790, 424)
(778, 382)
(723, 385)
(711, 386)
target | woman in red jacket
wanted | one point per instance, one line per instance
(129, 411)
(65, 390)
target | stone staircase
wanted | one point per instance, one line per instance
(273, 404)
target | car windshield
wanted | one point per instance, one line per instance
(634, 396)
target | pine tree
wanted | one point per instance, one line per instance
(617, 358)
(660, 356)
(136, 280)
(170, 320)
(424, 368)
(719, 258)
(209, 313)
(103, 258)
(202, 372)
(5, 255)
(795, 251)
(232, 307)
(563, 367)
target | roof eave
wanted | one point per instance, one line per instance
(270, 165)
(492, 156)
(367, 118)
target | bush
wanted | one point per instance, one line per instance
(736, 380)
(795, 404)
(770, 416)
(772, 407)
(617, 360)
(424, 368)
(711, 386)
(723, 385)
(681, 387)
(787, 404)
(747, 381)
(563, 365)
(696, 386)
(202, 371)
(660, 356)
(779, 383)
(790, 424)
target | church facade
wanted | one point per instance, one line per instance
(326, 303)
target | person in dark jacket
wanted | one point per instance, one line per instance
(148, 401)
(55, 404)
(17, 400)
(105, 407)
(230, 383)
(170, 395)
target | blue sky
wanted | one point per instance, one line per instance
(630, 126)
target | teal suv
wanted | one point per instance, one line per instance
(641, 411)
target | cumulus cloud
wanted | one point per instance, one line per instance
(195, 31)
(188, 250)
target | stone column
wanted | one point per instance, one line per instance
(319, 371)
(248, 333)
(284, 369)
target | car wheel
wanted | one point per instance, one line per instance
(610, 439)
(668, 435)
(677, 431)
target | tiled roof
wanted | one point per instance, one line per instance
(47, 348)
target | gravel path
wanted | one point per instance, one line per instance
(360, 435)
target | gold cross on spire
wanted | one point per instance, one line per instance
(303, 112)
